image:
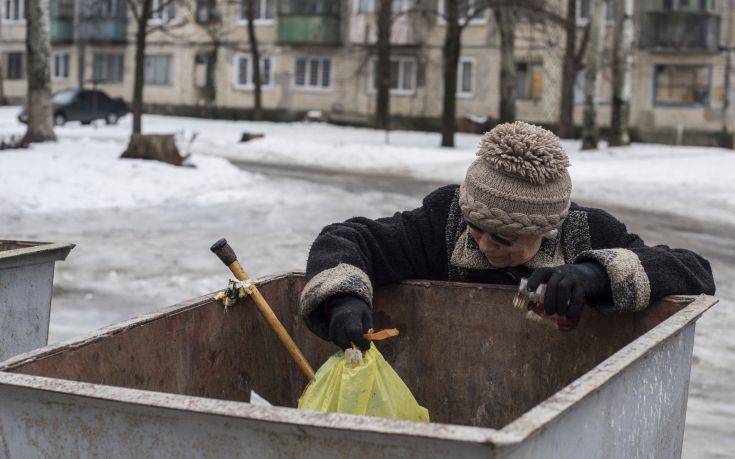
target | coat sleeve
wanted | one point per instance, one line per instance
(354, 257)
(639, 274)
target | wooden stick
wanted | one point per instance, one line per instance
(223, 250)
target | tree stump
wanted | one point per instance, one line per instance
(158, 147)
(248, 136)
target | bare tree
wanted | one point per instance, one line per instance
(209, 18)
(3, 99)
(383, 77)
(621, 71)
(255, 58)
(590, 132)
(142, 12)
(506, 19)
(38, 45)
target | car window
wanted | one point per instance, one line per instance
(102, 98)
(84, 97)
(63, 97)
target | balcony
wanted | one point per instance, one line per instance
(309, 22)
(103, 30)
(683, 31)
(62, 30)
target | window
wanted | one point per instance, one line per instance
(262, 10)
(204, 70)
(584, 10)
(13, 10)
(107, 68)
(59, 66)
(365, 6)
(402, 75)
(14, 65)
(529, 81)
(465, 76)
(687, 85)
(162, 10)
(472, 9)
(206, 11)
(244, 73)
(157, 70)
(312, 72)
(370, 6)
(690, 5)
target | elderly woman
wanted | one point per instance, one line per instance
(512, 217)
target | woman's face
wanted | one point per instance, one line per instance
(504, 251)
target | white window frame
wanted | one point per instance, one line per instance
(5, 62)
(609, 19)
(473, 71)
(370, 7)
(401, 70)
(243, 20)
(122, 66)
(169, 77)
(249, 86)
(4, 11)
(164, 18)
(307, 86)
(694, 6)
(476, 21)
(59, 55)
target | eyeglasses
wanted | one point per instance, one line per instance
(499, 238)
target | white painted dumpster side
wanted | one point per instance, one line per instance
(46, 423)
(26, 286)
(633, 404)
(639, 412)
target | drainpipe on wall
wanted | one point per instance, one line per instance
(726, 116)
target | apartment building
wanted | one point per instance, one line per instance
(319, 55)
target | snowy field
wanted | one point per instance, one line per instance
(137, 222)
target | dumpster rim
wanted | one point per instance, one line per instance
(556, 405)
(513, 433)
(38, 252)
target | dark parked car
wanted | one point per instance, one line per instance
(83, 105)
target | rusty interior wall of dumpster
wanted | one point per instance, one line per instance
(483, 367)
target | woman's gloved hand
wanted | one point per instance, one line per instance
(349, 318)
(567, 286)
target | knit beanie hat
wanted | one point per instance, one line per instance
(519, 182)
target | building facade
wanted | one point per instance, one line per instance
(320, 55)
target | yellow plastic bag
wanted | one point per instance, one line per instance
(370, 388)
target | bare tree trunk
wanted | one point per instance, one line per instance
(621, 69)
(506, 19)
(569, 74)
(590, 132)
(38, 45)
(450, 61)
(255, 57)
(139, 79)
(3, 99)
(382, 102)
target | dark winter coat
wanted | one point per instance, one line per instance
(432, 242)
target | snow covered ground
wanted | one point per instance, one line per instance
(133, 220)
(691, 181)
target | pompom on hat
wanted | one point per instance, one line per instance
(519, 183)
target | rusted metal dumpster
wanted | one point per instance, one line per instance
(26, 285)
(176, 383)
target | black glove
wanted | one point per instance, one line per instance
(567, 286)
(349, 317)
